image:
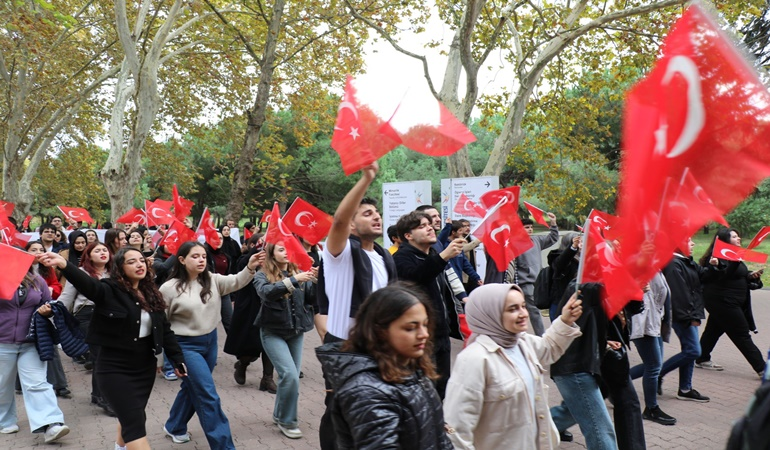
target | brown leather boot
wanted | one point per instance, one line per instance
(240, 372)
(267, 384)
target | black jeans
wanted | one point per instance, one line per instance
(442, 357)
(629, 426)
(728, 317)
(326, 428)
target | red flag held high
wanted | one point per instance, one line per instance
(76, 214)
(15, 265)
(466, 207)
(426, 126)
(702, 110)
(723, 250)
(182, 206)
(277, 232)
(10, 234)
(265, 217)
(490, 199)
(158, 212)
(538, 215)
(601, 265)
(25, 224)
(207, 229)
(8, 207)
(360, 136)
(761, 235)
(307, 221)
(176, 235)
(503, 235)
(247, 234)
(134, 215)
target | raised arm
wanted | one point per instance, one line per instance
(92, 288)
(340, 230)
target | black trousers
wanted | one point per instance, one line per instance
(726, 316)
(326, 429)
(442, 357)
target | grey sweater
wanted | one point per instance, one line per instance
(529, 263)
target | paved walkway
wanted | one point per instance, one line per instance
(699, 426)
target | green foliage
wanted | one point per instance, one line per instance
(751, 214)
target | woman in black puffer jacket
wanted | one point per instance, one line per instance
(381, 376)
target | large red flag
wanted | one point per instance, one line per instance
(10, 234)
(425, 125)
(158, 212)
(466, 207)
(176, 235)
(76, 214)
(490, 199)
(602, 265)
(15, 265)
(134, 215)
(277, 232)
(503, 235)
(182, 206)
(538, 215)
(360, 136)
(760, 236)
(723, 250)
(701, 109)
(307, 221)
(207, 229)
(8, 207)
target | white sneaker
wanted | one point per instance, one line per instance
(118, 447)
(56, 431)
(291, 433)
(709, 365)
(178, 438)
(9, 430)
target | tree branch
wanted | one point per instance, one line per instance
(381, 31)
(241, 37)
(179, 51)
(126, 40)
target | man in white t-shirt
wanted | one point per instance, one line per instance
(353, 266)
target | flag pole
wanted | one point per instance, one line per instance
(582, 260)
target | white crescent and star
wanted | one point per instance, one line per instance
(726, 251)
(152, 211)
(281, 229)
(298, 219)
(701, 195)
(696, 111)
(466, 207)
(348, 105)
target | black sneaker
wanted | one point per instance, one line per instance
(692, 395)
(566, 436)
(658, 416)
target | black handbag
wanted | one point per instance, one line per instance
(615, 366)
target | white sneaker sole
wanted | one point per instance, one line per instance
(63, 431)
(181, 439)
(10, 430)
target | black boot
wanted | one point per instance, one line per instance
(240, 371)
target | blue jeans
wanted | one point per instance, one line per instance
(583, 404)
(39, 397)
(286, 355)
(684, 360)
(651, 351)
(198, 394)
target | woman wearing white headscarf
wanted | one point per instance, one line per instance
(497, 397)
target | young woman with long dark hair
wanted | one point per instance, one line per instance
(381, 376)
(727, 296)
(130, 324)
(194, 297)
(96, 262)
(115, 239)
(284, 318)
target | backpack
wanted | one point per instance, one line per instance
(544, 288)
(750, 432)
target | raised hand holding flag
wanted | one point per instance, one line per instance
(538, 215)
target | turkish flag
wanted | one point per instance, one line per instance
(25, 224)
(15, 266)
(466, 207)
(601, 264)
(158, 212)
(490, 199)
(503, 235)
(761, 235)
(265, 217)
(607, 223)
(8, 207)
(426, 126)
(702, 110)
(76, 214)
(176, 235)
(10, 234)
(723, 250)
(134, 215)
(538, 215)
(207, 229)
(307, 221)
(182, 206)
(360, 136)
(278, 233)
(247, 234)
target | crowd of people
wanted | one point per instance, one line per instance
(386, 317)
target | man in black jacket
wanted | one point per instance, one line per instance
(687, 308)
(417, 261)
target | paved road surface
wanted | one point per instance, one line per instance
(699, 426)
